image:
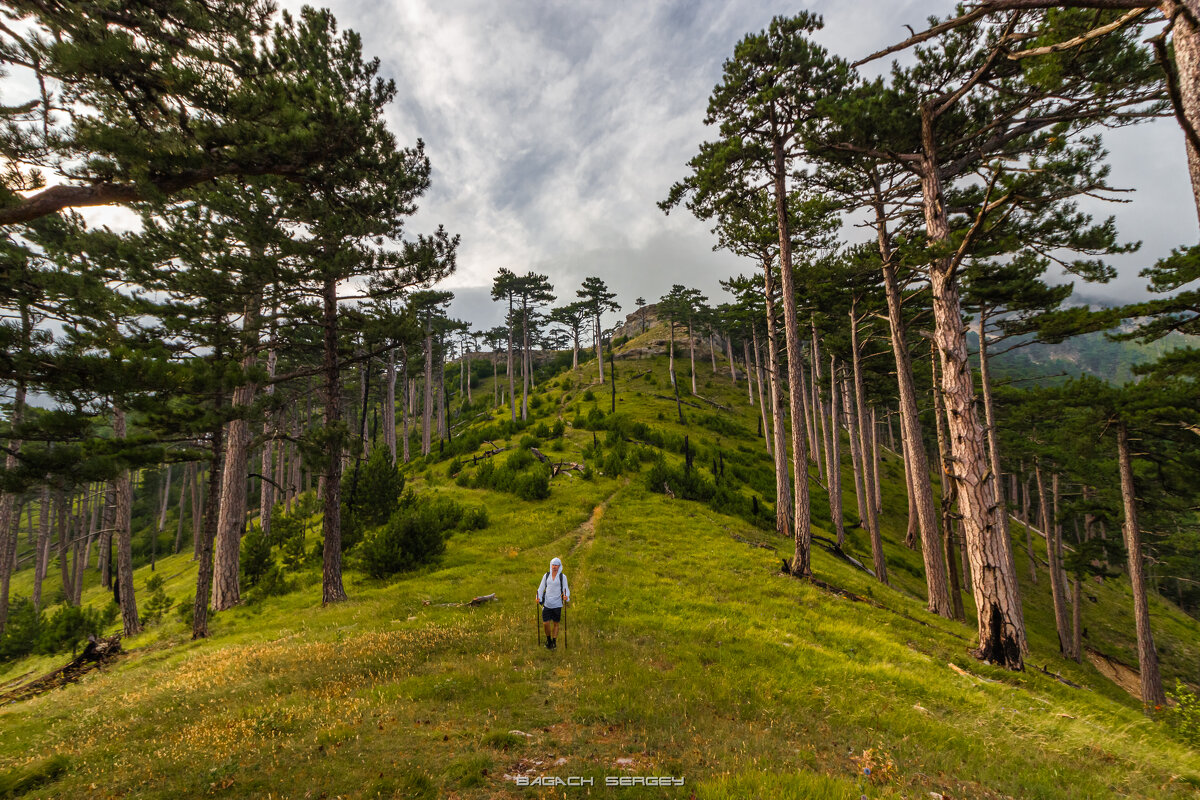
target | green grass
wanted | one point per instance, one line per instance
(686, 651)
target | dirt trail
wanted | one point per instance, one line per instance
(585, 534)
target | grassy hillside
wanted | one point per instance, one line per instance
(686, 653)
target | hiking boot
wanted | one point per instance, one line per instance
(549, 643)
(554, 643)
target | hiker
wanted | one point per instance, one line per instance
(552, 593)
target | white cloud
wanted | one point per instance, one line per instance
(554, 126)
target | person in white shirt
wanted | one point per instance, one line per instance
(552, 594)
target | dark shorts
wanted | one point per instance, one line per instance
(551, 614)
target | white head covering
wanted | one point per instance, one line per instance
(555, 562)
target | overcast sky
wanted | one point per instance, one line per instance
(555, 126)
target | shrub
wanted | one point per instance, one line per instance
(290, 532)
(542, 431)
(157, 602)
(474, 519)
(31, 631)
(533, 485)
(613, 465)
(1184, 716)
(558, 430)
(273, 583)
(589, 395)
(414, 535)
(528, 441)
(374, 495)
(255, 559)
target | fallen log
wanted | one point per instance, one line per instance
(538, 454)
(487, 598)
(95, 654)
(681, 402)
(564, 466)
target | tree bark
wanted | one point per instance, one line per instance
(1025, 521)
(1185, 39)
(427, 399)
(948, 497)
(856, 453)
(835, 455)
(331, 568)
(783, 494)
(599, 353)
(408, 393)
(1151, 680)
(389, 407)
(184, 485)
(525, 358)
(791, 326)
(42, 553)
(985, 381)
(1053, 533)
(913, 533)
(208, 530)
(1001, 620)
(866, 453)
(232, 516)
(123, 518)
(692, 352)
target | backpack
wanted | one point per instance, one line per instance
(546, 578)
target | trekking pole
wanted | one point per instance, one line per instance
(564, 620)
(537, 622)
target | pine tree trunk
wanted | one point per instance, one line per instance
(712, 351)
(1025, 522)
(915, 458)
(331, 568)
(815, 414)
(835, 455)
(791, 326)
(208, 529)
(232, 516)
(820, 424)
(1054, 556)
(198, 514)
(42, 552)
(389, 407)
(427, 398)
(732, 368)
(166, 497)
(913, 533)
(599, 353)
(985, 388)
(856, 454)
(525, 361)
(948, 496)
(10, 517)
(441, 403)
(767, 429)
(866, 453)
(876, 466)
(671, 348)
(1186, 46)
(123, 518)
(1151, 680)
(692, 352)
(62, 523)
(408, 395)
(749, 380)
(183, 495)
(783, 494)
(1001, 619)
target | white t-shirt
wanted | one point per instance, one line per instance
(552, 596)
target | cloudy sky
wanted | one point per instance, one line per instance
(555, 126)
